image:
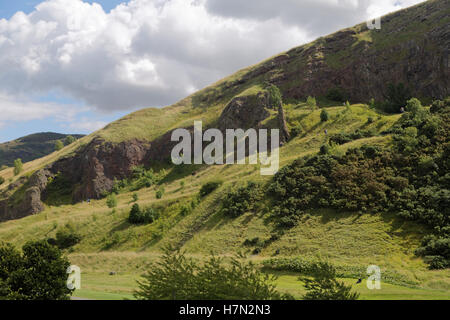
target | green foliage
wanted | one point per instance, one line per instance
(160, 193)
(111, 201)
(145, 216)
(325, 286)
(275, 96)
(2, 180)
(69, 140)
(324, 116)
(176, 277)
(296, 131)
(410, 179)
(66, 237)
(325, 149)
(135, 197)
(209, 187)
(59, 190)
(59, 145)
(241, 200)
(18, 166)
(396, 97)
(414, 106)
(38, 274)
(342, 138)
(336, 94)
(435, 249)
(311, 102)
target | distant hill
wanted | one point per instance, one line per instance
(31, 147)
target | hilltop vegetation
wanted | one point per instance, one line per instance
(31, 147)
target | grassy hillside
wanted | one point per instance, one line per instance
(31, 147)
(349, 239)
(110, 243)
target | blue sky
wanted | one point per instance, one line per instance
(11, 131)
(10, 7)
(73, 67)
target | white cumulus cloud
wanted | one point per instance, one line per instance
(154, 52)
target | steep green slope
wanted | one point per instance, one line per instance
(323, 229)
(31, 147)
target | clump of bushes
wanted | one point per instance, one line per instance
(275, 96)
(142, 216)
(18, 166)
(209, 187)
(111, 201)
(336, 94)
(324, 116)
(241, 200)
(325, 286)
(177, 277)
(38, 273)
(409, 178)
(342, 138)
(396, 97)
(160, 193)
(66, 237)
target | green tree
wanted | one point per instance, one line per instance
(311, 103)
(325, 286)
(209, 187)
(324, 116)
(111, 201)
(176, 277)
(69, 140)
(18, 166)
(159, 193)
(396, 97)
(275, 96)
(135, 216)
(59, 145)
(414, 106)
(38, 274)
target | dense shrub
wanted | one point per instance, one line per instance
(311, 103)
(111, 200)
(67, 238)
(59, 145)
(176, 277)
(396, 97)
(18, 166)
(411, 178)
(2, 180)
(241, 200)
(160, 193)
(37, 274)
(325, 286)
(209, 187)
(142, 216)
(69, 140)
(275, 96)
(342, 138)
(336, 94)
(324, 116)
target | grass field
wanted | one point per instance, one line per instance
(97, 286)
